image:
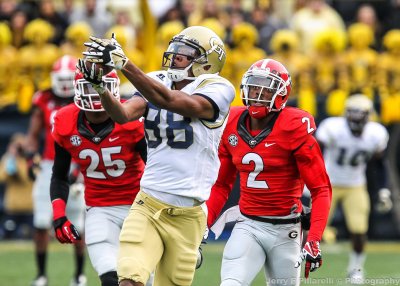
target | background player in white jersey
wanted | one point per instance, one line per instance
(110, 157)
(46, 103)
(185, 110)
(273, 149)
(348, 144)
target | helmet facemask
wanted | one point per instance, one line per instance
(357, 119)
(87, 98)
(193, 52)
(263, 81)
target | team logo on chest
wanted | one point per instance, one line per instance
(233, 140)
(75, 140)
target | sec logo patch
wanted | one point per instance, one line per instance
(75, 140)
(233, 140)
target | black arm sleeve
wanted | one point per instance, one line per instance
(141, 147)
(381, 175)
(59, 186)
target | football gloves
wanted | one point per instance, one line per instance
(106, 52)
(65, 231)
(384, 203)
(311, 253)
(200, 250)
(95, 78)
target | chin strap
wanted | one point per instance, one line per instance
(258, 112)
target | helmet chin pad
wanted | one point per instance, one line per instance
(258, 111)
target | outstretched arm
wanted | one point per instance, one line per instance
(109, 52)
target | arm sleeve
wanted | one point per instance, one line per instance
(141, 148)
(312, 170)
(222, 187)
(59, 186)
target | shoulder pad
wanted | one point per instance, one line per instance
(296, 125)
(235, 112)
(206, 79)
(41, 98)
(65, 120)
(133, 125)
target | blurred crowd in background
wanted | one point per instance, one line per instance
(331, 48)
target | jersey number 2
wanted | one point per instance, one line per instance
(252, 181)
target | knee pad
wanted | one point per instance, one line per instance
(231, 282)
(109, 279)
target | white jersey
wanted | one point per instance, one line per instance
(182, 157)
(345, 155)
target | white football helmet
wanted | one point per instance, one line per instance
(358, 110)
(87, 98)
(62, 76)
(202, 46)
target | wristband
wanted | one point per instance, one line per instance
(58, 208)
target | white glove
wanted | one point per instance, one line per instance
(384, 204)
(106, 52)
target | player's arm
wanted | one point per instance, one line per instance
(312, 169)
(141, 148)
(222, 187)
(154, 91)
(174, 100)
(59, 189)
(34, 131)
(384, 201)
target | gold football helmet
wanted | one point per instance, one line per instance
(358, 111)
(202, 46)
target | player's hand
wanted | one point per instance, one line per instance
(65, 231)
(200, 250)
(93, 75)
(384, 204)
(311, 253)
(106, 52)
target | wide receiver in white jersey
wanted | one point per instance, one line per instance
(348, 144)
(185, 110)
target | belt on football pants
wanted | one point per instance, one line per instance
(274, 220)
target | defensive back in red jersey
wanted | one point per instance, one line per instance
(47, 102)
(108, 161)
(273, 165)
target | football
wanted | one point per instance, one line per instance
(106, 69)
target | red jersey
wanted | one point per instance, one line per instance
(108, 161)
(273, 166)
(48, 104)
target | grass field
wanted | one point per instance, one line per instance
(382, 267)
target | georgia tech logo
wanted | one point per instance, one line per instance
(233, 140)
(217, 48)
(293, 234)
(75, 140)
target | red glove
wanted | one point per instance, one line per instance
(311, 253)
(65, 231)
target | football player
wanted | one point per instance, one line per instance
(46, 103)
(348, 144)
(185, 109)
(111, 158)
(274, 151)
